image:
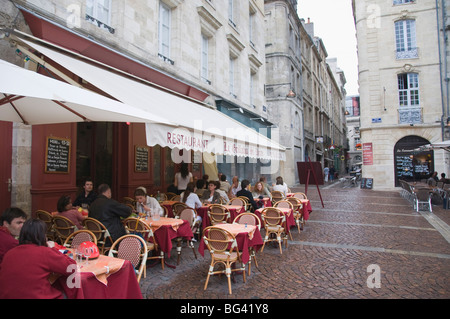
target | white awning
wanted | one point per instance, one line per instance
(197, 126)
(31, 98)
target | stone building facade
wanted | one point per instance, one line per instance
(401, 104)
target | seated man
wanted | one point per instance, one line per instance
(108, 212)
(246, 193)
(87, 196)
(11, 223)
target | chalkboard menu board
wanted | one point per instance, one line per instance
(366, 183)
(141, 159)
(57, 155)
(404, 166)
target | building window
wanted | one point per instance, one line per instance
(403, 1)
(99, 13)
(408, 89)
(231, 13)
(205, 60)
(232, 77)
(164, 32)
(405, 38)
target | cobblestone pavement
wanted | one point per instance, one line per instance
(357, 234)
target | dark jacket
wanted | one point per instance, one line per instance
(108, 212)
(83, 199)
(207, 194)
(248, 194)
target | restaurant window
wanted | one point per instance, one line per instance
(405, 39)
(164, 32)
(156, 150)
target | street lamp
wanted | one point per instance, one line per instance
(290, 94)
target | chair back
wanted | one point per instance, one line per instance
(99, 230)
(129, 200)
(75, 239)
(188, 214)
(136, 226)
(284, 204)
(63, 227)
(170, 195)
(423, 194)
(272, 217)
(132, 248)
(249, 219)
(47, 218)
(219, 241)
(218, 214)
(177, 208)
(237, 201)
(300, 195)
(296, 204)
(277, 196)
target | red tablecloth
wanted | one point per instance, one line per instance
(203, 213)
(165, 233)
(266, 200)
(243, 241)
(169, 205)
(122, 284)
(290, 220)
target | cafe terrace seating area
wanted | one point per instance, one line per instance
(423, 196)
(231, 235)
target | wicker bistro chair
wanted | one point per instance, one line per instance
(170, 195)
(63, 227)
(298, 215)
(76, 238)
(104, 239)
(188, 215)
(136, 226)
(134, 249)
(47, 218)
(177, 208)
(300, 195)
(249, 219)
(218, 214)
(274, 223)
(276, 196)
(285, 204)
(237, 201)
(247, 203)
(224, 250)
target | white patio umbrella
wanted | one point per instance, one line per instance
(445, 145)
(31, 98)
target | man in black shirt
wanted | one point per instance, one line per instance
(246, 193)
(87, 196)
(108, 212)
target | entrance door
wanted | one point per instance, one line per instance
(95, 153)
(5, 167)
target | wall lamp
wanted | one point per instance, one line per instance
(270, 88)
(237, 109)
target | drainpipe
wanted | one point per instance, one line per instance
(440, 66)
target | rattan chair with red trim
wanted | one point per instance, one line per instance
(224, 250)
(218, 214)
(249, 219)
(274, 223)
(76, 238)
(134, 249)
(188, 214)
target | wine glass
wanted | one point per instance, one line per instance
(87, 254)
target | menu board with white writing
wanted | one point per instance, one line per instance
(141, 159)
(57, 155)
(404, 166)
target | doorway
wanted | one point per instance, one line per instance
(5, 169)
(95, 153)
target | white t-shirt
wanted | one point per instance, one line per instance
(151, 203)
(182, 182)
(192, 201)
(281, 188)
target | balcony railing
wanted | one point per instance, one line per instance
(408, 54)
(410, 115)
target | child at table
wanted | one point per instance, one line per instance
(145, 203)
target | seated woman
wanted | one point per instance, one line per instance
(260, 190)
(29, 280)
(65, 208)
(211, 196)
(190, 198)
(280, 186)
(145, 203)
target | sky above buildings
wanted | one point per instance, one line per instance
(333, 22)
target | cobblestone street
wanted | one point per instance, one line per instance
(332, 257)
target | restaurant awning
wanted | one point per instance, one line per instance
(31, 98)
(445, 145)
(196, 127)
